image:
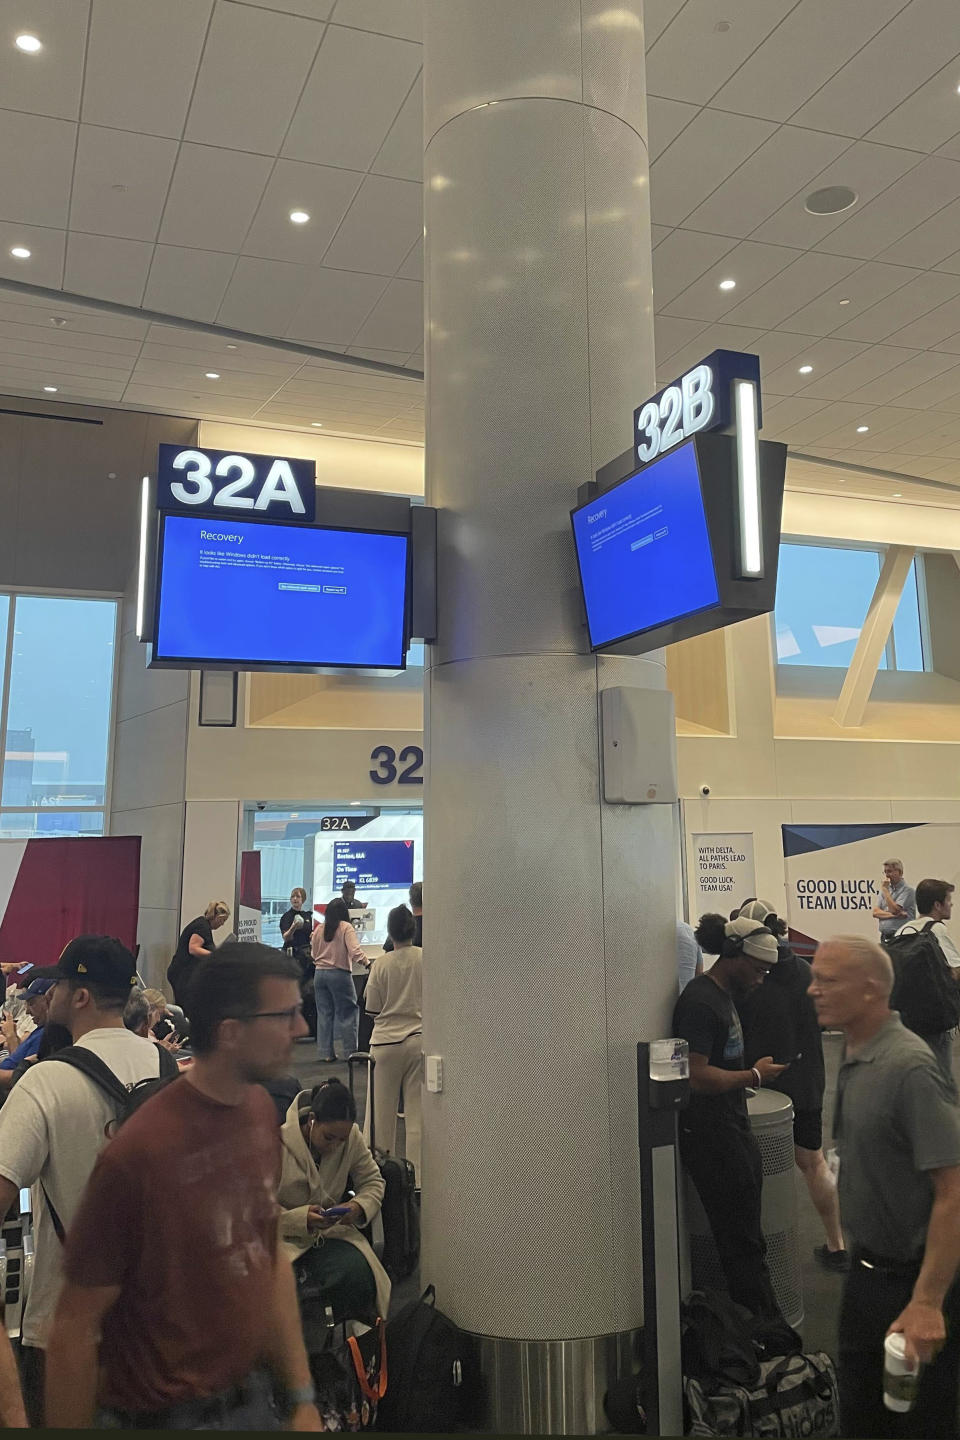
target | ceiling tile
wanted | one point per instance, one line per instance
(749, 264)
(185, 377)
(902, 307)
(863, 287)
(701, 158)
(951, 345)
(805, 49)
(935, 389)
(47, 83)
(48, 351)
(213, 197)
(353, 96)
(931, 185)
(311, 9)
(324, 192)
(894, 386)
(45, 266)
(386, 357)
(142, 59)
(188, 282)
(657, 15)
(931, 243)
(692, 60)
(890, 67)
(866, 168)
(263, 296)
(403, 18)
(783, 165)
(36, 163)
(34, 339)
(334, 306)
(778, 347)
(247, 359)
(253, 69)
(927, 119)
(665, 120)
(107, 268)
(412, 267)
(928, 330)
(780, 415)
(872, 361)
(714, 337)
(824, 355)
(670, 333)
(682, 259)
(801, 282)
(401, 154)
(396, 322)
(81, 322)
(120, 182)
(381, 226)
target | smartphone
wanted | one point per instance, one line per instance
(337, 1210)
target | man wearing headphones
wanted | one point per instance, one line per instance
(717, 1145)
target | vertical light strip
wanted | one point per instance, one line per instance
(748, 478)
(142, 561)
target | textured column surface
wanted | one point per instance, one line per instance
(549, 925)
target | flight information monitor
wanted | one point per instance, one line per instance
(249, 594)
(644, 552)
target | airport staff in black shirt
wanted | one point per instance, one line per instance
(717, 1145)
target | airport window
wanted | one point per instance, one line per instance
(56, 702)
(823, 594)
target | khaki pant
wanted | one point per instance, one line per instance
(398, 1069)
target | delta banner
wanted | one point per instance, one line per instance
(55, 889)
(833, 873)
(723, 874)
(250, 908)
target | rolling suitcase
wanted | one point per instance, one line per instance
(400, 1212)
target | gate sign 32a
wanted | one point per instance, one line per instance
(221, 482)
(699, 400)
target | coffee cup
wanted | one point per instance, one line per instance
(900, 1376)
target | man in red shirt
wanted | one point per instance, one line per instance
(174, 1287)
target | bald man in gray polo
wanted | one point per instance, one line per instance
(898, 1133)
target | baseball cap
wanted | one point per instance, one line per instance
(758, 942)
(38, 987)
(99, 960)
(757, 910)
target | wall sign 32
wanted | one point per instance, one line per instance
(404, 769)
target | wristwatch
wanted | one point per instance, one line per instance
(301, 1395)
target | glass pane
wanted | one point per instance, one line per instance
(822, 599)
(906, 626)
(4, 613)
(61, 689)
(44, 824)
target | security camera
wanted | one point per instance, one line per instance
(704, 791)
(261, 804)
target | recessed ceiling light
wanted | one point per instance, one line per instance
(212, 375)
(728, 284)
(844, 302)
(805, 370)
(20, 252)
(299, 217)
(862, 429)
(233, 347)
(50, 389)
(29, 44)
(58, 320)
(722, 26)
(831, 200)
(317, 424)
(898, 494)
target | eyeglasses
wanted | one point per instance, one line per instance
(291, 1016)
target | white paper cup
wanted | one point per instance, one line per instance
(900, 1379)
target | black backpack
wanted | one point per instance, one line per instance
(924, 990)
(429, 1369)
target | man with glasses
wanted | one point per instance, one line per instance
(174, 1286)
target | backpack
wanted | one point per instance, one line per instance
(796, 1395)
(400, 1216)
(428, 1361)
(924, 990)
(718, 1343)
(126, 1101)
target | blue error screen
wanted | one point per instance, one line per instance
(285, 595)
(644, 550)
(373, 864)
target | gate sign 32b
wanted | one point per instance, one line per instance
(224, 483)
(699, 400)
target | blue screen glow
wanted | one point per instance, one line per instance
(373, 864)
(282, 595)
(644, 550)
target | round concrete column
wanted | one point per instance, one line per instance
(550, 916)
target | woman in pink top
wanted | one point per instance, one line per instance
(334, 947)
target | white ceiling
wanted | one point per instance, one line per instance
(151, 154)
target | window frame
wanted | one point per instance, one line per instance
(13, 594)
(889, 650)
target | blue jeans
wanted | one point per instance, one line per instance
(247, 1406)
(338, 1014)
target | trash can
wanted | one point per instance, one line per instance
(771, 1120)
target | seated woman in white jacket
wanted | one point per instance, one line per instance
(324, 1155)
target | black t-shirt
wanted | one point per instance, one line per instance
(300, 939)
(706, 1017)
(779, 1019)
(182, 959)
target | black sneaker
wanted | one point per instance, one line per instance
(837, 1261)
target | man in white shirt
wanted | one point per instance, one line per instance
(935, 904)
(52, 1125)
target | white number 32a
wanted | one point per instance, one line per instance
(681, 411)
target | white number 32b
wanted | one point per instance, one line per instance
(681, 411)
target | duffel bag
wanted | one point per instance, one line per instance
(796, 1395)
